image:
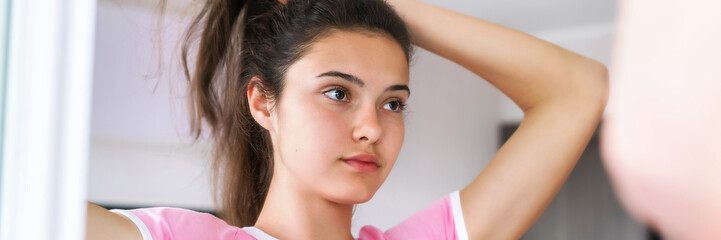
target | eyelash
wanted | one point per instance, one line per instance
(343, 90)
(401, 105)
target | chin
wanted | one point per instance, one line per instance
(353, 195)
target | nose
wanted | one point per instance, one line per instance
(367, 129)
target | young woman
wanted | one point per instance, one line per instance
(304, 100)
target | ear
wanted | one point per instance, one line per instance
(260, 105)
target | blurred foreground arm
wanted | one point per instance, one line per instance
(662, 135)
(561, 93)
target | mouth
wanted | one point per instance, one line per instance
(363, 162)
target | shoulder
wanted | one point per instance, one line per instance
(178, 223)
(442, 219)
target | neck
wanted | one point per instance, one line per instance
(291, 211)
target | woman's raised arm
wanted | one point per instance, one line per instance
(562, 94)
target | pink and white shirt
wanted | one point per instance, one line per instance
(440, 220)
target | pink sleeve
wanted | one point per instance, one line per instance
(441, 220)
(178, 224)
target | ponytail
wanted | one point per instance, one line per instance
(241, 166)
(242, 39)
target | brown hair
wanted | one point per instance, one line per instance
(241, 39)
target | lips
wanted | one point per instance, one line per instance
(363, 162)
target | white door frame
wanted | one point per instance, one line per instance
(47, 119)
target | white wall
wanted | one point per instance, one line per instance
(136, 153)
(140, 157)
(135, 173)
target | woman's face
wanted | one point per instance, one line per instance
(341, 107)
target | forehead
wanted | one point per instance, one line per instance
(370, 56)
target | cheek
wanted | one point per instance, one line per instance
(313, 135)
(310, 135)
(394, 133)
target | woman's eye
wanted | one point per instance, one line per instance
(396, 106)
(337, 94)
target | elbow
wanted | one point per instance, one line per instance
(603, 84)
(593, 84)
(583, 87)
(600, 76)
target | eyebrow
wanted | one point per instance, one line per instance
(357, 81)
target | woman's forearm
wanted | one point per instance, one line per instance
(528, 70)
(103, 224)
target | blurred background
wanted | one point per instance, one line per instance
(141, 155)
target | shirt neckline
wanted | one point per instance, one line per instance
(258, 234)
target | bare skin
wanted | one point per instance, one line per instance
(562, 94)
(103, 224)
